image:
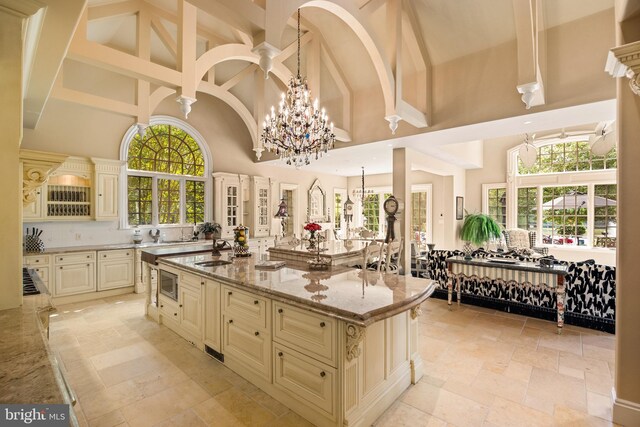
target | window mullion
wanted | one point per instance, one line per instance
(155, 218)
(591, 211)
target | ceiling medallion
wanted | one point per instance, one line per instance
(298, 131)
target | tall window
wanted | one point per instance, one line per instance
(605, 219)
(337, 211)
(371, 212)
(527, 208)
(498, 205)
(419, 216)
(166, 177)
(287, 196)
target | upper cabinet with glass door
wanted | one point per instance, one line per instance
(231, 191)
(260, 224)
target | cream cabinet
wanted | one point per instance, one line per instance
(186, 315)
(41, 264)
(247, 345)
(190, 304)
(34, 211)
(75, 273)
(231, 197)
(212, 316)
(260, 224)
(115, 269)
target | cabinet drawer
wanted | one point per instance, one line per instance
(115, 254)
(248, 346)
(306, 332)
(36, 260)
(43, 273)
(250, 308)
(75, 257)
(168, 308)
(306, 380)
(191, 281)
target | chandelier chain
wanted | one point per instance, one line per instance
(298, 43)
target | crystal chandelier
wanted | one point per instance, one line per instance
(361, 193)
(298, 131)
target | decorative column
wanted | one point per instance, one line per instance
(402, 191)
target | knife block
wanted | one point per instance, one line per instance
(33, 244)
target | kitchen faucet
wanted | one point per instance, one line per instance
(215, 251)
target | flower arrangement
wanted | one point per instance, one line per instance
(313, 227)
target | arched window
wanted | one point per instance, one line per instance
(166, 174)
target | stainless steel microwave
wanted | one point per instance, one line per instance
(169, 285)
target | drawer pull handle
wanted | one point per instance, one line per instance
(280, 354)
(37, 260)
(87, 265)
(256, 302)
(175, 314)
(230, 320)
(180, 305)
(61, 259)
(127, 253)
(322, 324)
(89, 256)
(280, 310)
(257, 333)
(60, 268)
(229, 293)
(322, 374)
(161, 305)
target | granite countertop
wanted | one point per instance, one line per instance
(83, 248)
(517, 265)
(357, 296)
(333, 248)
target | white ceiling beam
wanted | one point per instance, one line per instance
(313, 68)
(164, 36)
(143, 50)
(187, 23)
(60, 22)
(93, 53)
(259, 108)
(94, 101)
(418, 49)
(249, 70)
(530, 42)
(293, 47)
(340, 81)
(109, 10)
(242, 15)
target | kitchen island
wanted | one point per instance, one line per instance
(338, 347)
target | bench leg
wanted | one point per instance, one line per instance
(560, 296)
(449, 291)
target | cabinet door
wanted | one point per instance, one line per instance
(106, 196)
(190, 311)
(212, 315)
(75, 279)
(248, 346)
(305, 379)
(261, 200)
(33, 211)
(116, 273)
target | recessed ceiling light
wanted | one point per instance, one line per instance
(389, 145)
(528, 122)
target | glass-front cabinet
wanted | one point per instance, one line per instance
(230, 192)
(261, 206)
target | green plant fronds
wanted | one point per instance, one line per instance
(479, 228)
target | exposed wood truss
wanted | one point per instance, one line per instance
(253, 35)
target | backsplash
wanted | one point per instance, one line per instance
(65, 234)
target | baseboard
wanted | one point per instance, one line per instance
(70, 299)
(625, 412)
(576, 319)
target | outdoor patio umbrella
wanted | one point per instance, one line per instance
(573, 201)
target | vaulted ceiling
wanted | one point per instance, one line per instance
(384, 52)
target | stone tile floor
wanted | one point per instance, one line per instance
(482, 368)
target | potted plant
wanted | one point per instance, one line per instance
(209, 228)
(478, 229)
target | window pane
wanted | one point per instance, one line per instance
(568, 157)
(371, 212)
(168, 201)
(498, 205)
(564, 215)
(527, 208)
(139, 194)
(194, 194)
(337, 211)
(419, 217)
(605, 220)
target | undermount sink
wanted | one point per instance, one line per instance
(214, 263)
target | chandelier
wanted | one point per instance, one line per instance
(361, 193)
(298, 131)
